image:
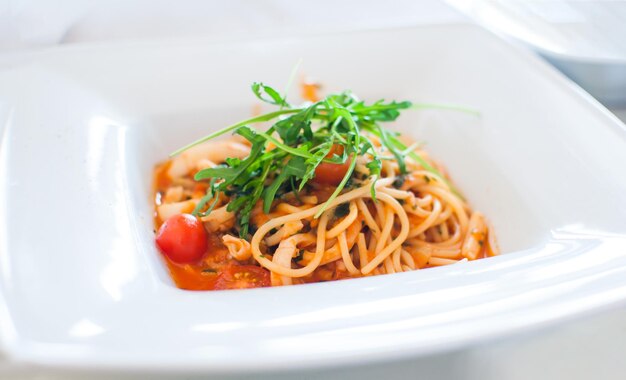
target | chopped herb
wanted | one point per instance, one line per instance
(399, 181)
(342, 210)
(350, 183)
(209, 271)
(273, 231)
(427, 179)
(262, 256)
(252, 228)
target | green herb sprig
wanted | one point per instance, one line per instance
(302, 137)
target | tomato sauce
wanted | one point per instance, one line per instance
(200, 275)
(203, 274)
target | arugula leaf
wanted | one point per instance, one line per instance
(274, 97)
(356, 142)
(313, 162)
(209, 195)
(258, 186)
(235, 167)
(384, 136)
(398, 144)
(296, 167)
(257, 119)
(289, 128)
(302, 138)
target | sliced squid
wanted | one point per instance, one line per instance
(284, 253)
(237, 247)
(219, 220)
(167, 210)
(173, 194)
(476, 237)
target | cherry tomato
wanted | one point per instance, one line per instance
(182, 238)
(242, 277)
(332, 174)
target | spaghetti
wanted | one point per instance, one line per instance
(348, 220)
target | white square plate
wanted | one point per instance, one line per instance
(82, 284)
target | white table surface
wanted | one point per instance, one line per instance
(589, 347)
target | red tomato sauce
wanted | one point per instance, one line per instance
(216, 269)
(203, 274)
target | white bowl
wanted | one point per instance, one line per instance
(82, 285)
(583, 39)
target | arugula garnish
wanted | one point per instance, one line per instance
(301, 139)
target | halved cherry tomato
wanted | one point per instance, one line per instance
(332, 174)
(242, 277)
(182, 238)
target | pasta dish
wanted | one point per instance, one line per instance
(325, 192)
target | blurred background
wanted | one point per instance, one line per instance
(583, 39)
(586, 40)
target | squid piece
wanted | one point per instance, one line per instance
(283, 255)
(492, 248)
(173, 194)
(476, 236)
(167, 210)
(238, 248)
(203, 163)
(219, 220)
